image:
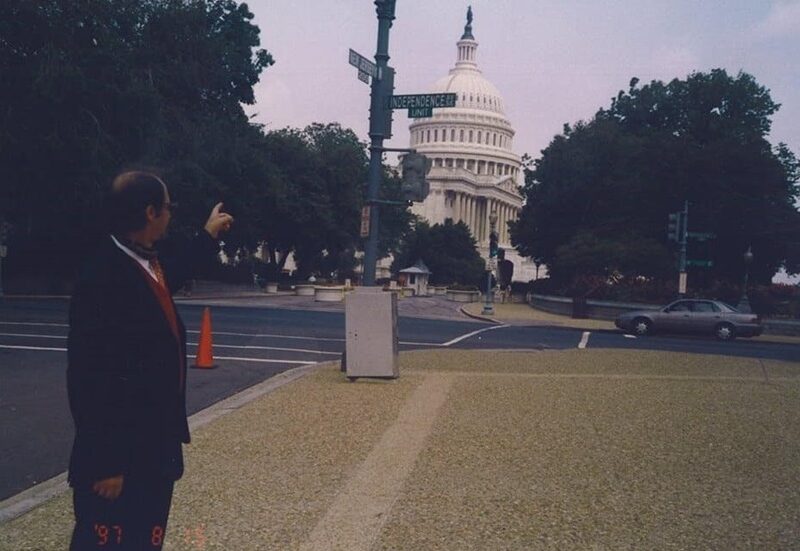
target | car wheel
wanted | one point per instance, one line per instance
(725, 332)
(641, 326)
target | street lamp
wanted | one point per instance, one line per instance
(4, 229)
(488, 307)
(744, 303)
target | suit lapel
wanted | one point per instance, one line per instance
(142, 297)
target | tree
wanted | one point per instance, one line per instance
(89, 87)
(608, 185)
(449, 251)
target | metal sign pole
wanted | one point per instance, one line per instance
(377, 131)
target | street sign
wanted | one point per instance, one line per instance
(420, 112)
(409, 101)
(363, 77)
(363, 64)
(365, 221)
(701, 236)
(700, 263)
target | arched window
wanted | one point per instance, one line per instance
(436, 135)
(461, 135)
(479, 136)
(428, 136)
(494, 139)
(470, 136)
(452, 134)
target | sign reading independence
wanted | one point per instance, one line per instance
(430, 101)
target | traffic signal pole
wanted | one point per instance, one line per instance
(683, 228)
(377, 133)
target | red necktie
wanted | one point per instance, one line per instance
(156, 267)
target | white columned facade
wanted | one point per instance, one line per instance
(471, 177)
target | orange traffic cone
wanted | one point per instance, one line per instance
(205, 355)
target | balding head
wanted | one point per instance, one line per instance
(131, 192)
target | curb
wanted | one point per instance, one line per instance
(180, 298)
(479, 317)
(26, 500)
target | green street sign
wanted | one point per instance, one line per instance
(362, 64)
(420, 112)
(701, 236)
(410, 101)
(700, 263)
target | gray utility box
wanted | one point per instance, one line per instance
(371, 328)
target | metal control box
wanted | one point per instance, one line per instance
(371, 329)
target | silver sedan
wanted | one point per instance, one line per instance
(710, 317)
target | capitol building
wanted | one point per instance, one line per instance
(475, 171)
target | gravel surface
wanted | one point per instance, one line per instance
(578, 449)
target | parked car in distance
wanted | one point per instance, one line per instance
(710, 317)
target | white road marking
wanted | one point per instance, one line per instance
(629, 336)
(268, 336)
(270, 348)
(31, 323)
(414, 343)
(32, 335)
(468, 335)
(258, 360)
(584, 340)
(232, 358)
(14, 347)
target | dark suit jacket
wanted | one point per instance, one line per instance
(126, 371)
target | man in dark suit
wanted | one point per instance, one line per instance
(126, 373)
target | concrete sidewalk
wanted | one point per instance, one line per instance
(579, 449)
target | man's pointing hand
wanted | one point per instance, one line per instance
(218, 221)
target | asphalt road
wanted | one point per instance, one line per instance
(250, 345)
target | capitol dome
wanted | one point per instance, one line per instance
(474, 170)
(473, 89)
(474, 134)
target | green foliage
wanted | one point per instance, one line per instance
(89, 87)
(601, 192)
(449, 251)
(623, 256)
(94, 86)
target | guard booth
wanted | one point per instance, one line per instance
(416, 278)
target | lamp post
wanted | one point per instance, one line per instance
(488, 307)
(4, 229)
(744, 302)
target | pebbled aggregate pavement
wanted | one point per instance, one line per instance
(577, 449)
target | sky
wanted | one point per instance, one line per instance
(554, 61)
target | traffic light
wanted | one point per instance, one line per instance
(414, 187)
(493, 247)
(674, 227)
